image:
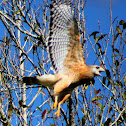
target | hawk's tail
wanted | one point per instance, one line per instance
(30, 80)
(45, 80)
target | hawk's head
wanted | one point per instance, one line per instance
(96, 70)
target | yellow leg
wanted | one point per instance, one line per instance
(58, 110)
(55, 103)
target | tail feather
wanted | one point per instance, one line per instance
(45, 80)
(30, 80)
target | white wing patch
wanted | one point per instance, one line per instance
(59, 39)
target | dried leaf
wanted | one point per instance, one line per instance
(31, 39)
(94, 34)
(25, 106)
(108, 74)
(21, 102)
(34, 49)
(26, 38)
(124, 40)
(99, 117)
(121, 22)
(110, 109)
(124, 25)
(116, 50)
(108, 82)
(119, 83)
(97, 91)
(96, 98)
(101, 37)
(116, 84)
(83, 120)
(97, 38)
(82, 110)
(1, 12)
(49, 111)
(107, 122)
(22, 105)
(104, 80)
(100, 105)
(17, 111)
(10, 108)
(44, 114)
(21, 55)
(17, 12)
(116, 36)
(99, 46)
(125, 80)
(0, 76)
(115, 56)
(86, 87)
(39, 109)
(118, 30)
(22, 61)
(116, 63)
(102, 53)
(124, 96)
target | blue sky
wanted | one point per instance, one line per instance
(96, 10)
(99, 10)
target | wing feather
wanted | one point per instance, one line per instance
(64, 37)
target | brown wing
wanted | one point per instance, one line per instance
(64, 45)
(74, 55)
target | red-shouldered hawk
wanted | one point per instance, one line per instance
(65, 53)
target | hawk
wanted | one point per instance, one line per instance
(66, 56)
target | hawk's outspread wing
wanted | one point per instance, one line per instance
(64, 45)
(65, 53)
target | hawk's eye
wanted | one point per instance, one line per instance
(97, 67)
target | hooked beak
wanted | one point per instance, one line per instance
(101, 70)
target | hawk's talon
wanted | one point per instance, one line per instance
(55, 103)
(57, 113)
